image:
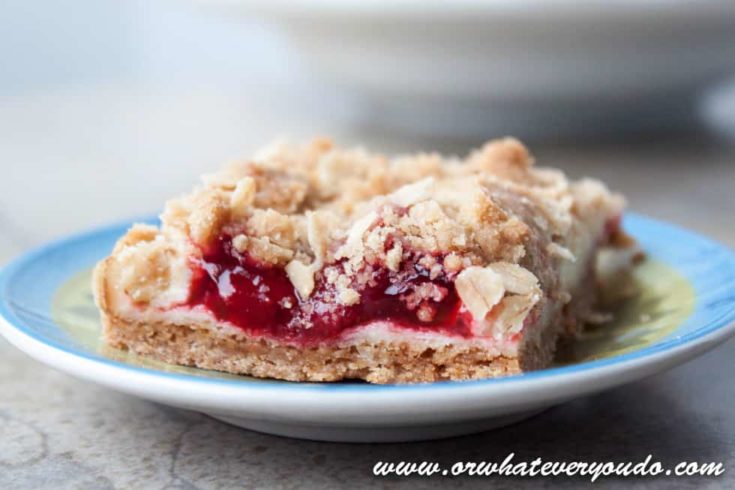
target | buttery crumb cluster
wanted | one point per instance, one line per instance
(489, 222)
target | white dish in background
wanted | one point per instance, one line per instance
(525, 67)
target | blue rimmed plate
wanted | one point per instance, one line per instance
(685, 306)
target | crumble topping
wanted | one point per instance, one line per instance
(302, 277)
(562, 252)
(243, 196)
(490, 222)
(515, 279)
(480, 288)
(149, 267)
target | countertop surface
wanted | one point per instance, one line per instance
(71, 160)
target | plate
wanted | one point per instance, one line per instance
(685, 306)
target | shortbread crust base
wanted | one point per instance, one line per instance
(376, 362)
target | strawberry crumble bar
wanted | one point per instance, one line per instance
(315, 263)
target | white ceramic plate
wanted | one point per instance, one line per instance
(687, 306)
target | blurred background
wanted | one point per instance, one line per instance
(109, 107)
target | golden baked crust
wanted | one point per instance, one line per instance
(375, 362)
(511, 237)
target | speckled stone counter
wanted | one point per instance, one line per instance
(58, 432)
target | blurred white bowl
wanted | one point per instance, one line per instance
(526, 67)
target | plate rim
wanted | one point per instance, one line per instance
(50, 352)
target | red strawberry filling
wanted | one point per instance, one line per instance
(262, 300)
